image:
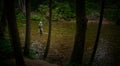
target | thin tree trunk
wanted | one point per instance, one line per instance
(22, 6)
(49, 34)
(117, 16)
(98, 34)
(13, 31)
(27, 37)
(81, 24)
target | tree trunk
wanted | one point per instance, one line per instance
(49, 34)
(27, 37)
(117, 16)
(98, 34)
(22, 6)
(2, 25)
(117, 12)
(81, 24)
(13, 31)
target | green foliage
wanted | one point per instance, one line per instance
(32, 53)
(93, 14)
(112, 14)
(35, 4)
(109, 14)
(20, 16)
(59, 11)
(42, 15)
(63, 10)
(6, 49)
(92, 9)
(43, 10)
(56, 15)
(37, 18)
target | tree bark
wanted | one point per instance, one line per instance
(13, 31)
(2, 25)
(81, 24)
(27, 37)
(49, 33)
(98, 34)
(22, 6)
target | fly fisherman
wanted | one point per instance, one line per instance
(40, 25)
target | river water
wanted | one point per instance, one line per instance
(107, 54)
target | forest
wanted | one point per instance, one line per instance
(59, 33)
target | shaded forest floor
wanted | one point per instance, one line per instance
(62, 38)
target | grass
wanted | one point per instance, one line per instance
(63, 33)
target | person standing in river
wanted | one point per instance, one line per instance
(40, 25)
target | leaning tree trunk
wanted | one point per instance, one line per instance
(98, 34)
(49, 34)
(27, 37)
(13, 31)
(81, 24)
